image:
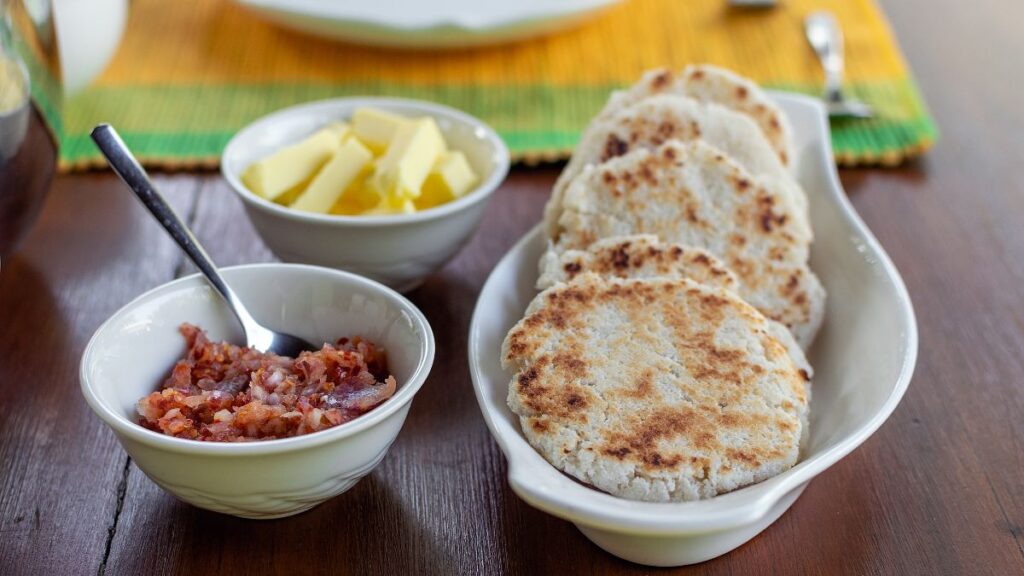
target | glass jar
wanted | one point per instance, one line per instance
(28, 152)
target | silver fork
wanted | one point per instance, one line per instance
(826, 38)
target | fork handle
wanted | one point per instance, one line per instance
(826, 38)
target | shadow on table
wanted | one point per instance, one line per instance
(841, 513)
(20, 284)
(532, 534)
(447, 300)
(361, 531)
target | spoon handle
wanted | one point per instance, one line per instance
(127, 167)
(826, 38)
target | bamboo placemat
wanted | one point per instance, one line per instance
(189, 74)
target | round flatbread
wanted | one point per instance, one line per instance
(661, 390)
(713, 84)
(690, 193)
(658, 119)
(644, 256)
(635, 256)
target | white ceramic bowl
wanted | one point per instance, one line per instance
(863, 360)
(397, 250)
(133, 351)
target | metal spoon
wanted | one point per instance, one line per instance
(127, 167)
(826, 38)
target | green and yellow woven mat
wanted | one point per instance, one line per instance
(189, 74)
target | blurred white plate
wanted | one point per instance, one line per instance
(427, 23)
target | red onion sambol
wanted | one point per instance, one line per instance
(220, 392)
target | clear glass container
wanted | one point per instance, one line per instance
(28, 152)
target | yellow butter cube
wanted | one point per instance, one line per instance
(345, 207)
(412, 153)
(357, 198)
(376, 128)
(340, 129)
(288, 196)
(291, 166)
(392, 205)
(450, 178)
(337, 175)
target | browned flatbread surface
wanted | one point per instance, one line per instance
(644, 256)
(657, 119)
(690, 193)
(709, 83)
(636, 256)
(655, 389)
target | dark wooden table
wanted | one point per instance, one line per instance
(938, 490)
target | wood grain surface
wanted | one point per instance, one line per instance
(939, 489)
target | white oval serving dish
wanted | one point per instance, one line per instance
(863, 359)
(132, 352)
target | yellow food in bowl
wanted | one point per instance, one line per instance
(382, 163)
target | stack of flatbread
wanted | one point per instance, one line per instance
(664, 358)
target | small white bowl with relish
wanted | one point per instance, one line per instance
(276, 469)
(384, 187)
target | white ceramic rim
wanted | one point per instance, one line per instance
(594, 513)
(477, 22)
(478, 194)
(402, 396)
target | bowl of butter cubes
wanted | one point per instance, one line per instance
(384, 187)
